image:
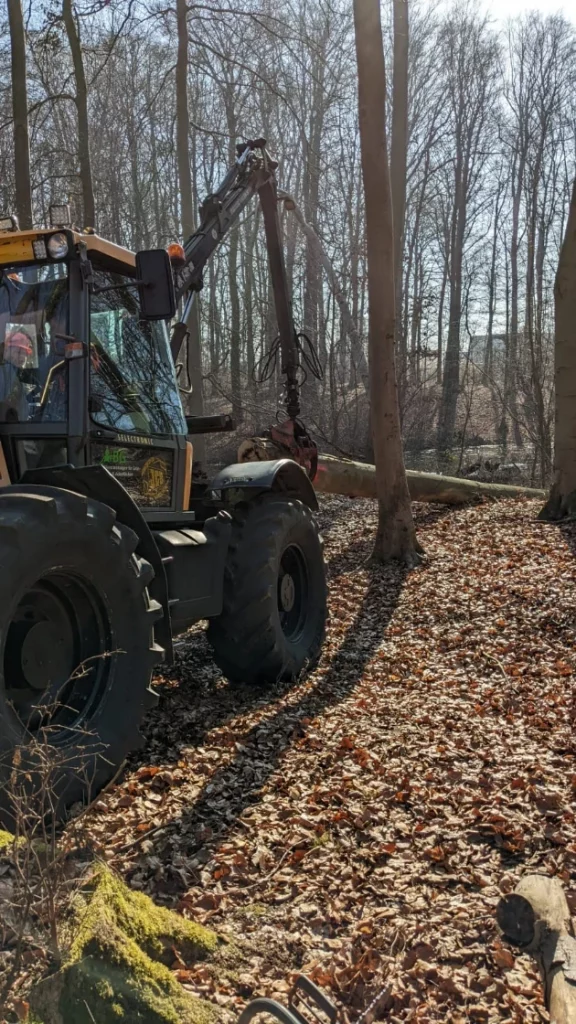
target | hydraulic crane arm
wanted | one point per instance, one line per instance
(253, 172)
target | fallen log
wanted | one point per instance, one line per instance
(536, 919)
(358, 479)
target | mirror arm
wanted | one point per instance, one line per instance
(48, 383)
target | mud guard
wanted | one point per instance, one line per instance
(282, 476)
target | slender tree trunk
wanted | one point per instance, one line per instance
(187, 214)
(398, 164)
(20, 114)
(251, 236)
(183, 123)
(440, 362)
(235, 355)
(234, 326)
(451, 376)
(88, 203)
(158, 220)
(396, 536)
(510, 398)
(345, 312)
(562, 501)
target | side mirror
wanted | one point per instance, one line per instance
(155, 285)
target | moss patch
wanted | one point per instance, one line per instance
(116, 968)
(6, 840)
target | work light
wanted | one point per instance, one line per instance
(39, 249)
(59, 215)
(58, 246)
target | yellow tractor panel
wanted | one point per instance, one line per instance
(16, 247)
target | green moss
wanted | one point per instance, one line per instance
(322, 840)
(6, 839)
(116, 967)
(154, 929)
(253, 910)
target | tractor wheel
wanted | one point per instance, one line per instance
(274, 616)
(76, 648)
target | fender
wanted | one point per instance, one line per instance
(98, 483)
(283, 476)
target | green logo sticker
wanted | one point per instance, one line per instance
(114, 457)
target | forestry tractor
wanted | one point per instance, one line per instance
(108, 547)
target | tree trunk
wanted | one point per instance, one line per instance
(510, 397)
(20, 114)
(451, 375)
(323, 257)
(396, 536)
(235, 340)
(187, 216)
(398, 161)
(88, 204)
(536, 919)
(183, 123)
(562, 501)
(359, 479)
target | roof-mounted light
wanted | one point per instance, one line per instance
(57, 246)
(59, 214)
(9, 223)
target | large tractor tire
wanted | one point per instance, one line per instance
(76, 648)
(274, 617)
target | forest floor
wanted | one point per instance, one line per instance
(360, 827)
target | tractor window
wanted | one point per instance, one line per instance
(133, 385)
(33, 312)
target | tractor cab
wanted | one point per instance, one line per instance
(85, 377)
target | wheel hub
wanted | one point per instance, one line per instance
(44, 659)
(52, 669)
(292, 592)
(287, 592)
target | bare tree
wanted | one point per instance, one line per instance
(81, 100)
(399, 159)
(20, 114)
(187, 213)
(562, 500)
(470, 55)
(396, 537)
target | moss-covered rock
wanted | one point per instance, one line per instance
(116, 969)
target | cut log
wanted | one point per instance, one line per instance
(358, 479)
(536, 919)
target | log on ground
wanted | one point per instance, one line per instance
(536, 919)
(358, 479)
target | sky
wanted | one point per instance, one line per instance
(502, 9)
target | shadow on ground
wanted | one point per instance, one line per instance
(568, 531)
(238, 784)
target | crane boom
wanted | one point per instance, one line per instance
(252, 173)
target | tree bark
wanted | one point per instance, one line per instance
(398, 160)
(396, 537)
(359, 479)
(562, 501)
(88, 204)
(183, 122)
(20, 115)
(536, 918)
(196, 400)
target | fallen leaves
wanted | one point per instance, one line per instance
(362, 825)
